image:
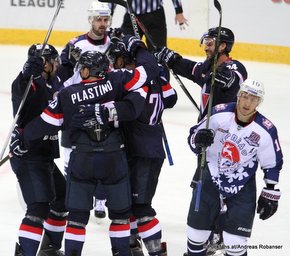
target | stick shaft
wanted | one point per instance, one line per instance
(29, 82)
(149, 37)
(4, 160)
(203, 156)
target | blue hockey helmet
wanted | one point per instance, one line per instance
(49, 52)
(95, 61)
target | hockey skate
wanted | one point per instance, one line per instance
(99, 209)
(136, 248)
(216, 246)
(18, 251)
(46, 249)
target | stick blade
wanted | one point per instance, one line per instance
(217, 5)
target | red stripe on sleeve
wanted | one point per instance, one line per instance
(133, 81)
(56, 116)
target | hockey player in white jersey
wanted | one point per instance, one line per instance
(238, 139)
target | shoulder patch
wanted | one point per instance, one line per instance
(267, 123)
(220, 107)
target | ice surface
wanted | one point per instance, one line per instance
(173, 193)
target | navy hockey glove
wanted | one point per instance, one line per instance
(74, 54)
(17, 147)
(224, 77)
(167, 56)
(203, 138)
(115, 33)
(268, 203)
(132, 44)
(90, 115)
(85, 118)
(33, 66)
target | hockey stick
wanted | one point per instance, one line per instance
(4, 159)
(198, 183)
(148, 36)
(29, 82)
(134, 22)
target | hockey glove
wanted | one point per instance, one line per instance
(167, 56)
(115, 33)
(17, 147)
(74, 54)
(85, 118)
(224, 77)
(89, 115)
(204, 137)
(33, 66)
(268, 203)
(132, 44)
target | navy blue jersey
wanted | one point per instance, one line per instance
(199, 72)
(113, 87)
(143, 136)
(40, 95)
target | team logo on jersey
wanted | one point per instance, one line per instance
(253, 139)
(230, 157)
(220, 107)
(267, 123)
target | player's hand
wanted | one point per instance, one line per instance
(204, 138)
(89, 115)
(85, 117)
(74, 54)
(268, 203)
(116, 33)
(33, 66)
(198, 140)
(167, 56)
(224, 77)
(132, 44)
(17, 147)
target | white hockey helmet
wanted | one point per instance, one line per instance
(253, 87)
(97, 8)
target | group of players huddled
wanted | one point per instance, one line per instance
(106, 93)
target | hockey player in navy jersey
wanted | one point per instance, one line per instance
(229, 74)
(98, 150)
(96, 39)
(41, 183)
(143, 144)
(238, 139)
(145, 152)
